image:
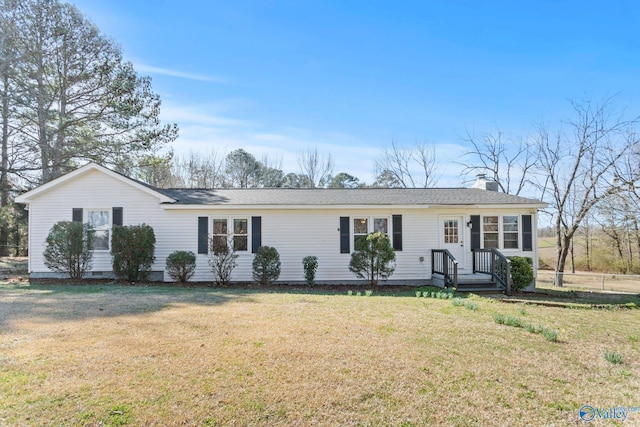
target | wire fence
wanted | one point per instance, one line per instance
(606, 282)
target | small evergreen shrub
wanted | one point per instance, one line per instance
(68, 248)
(132, 248)
(372, 258)
(521, 272)
(310, 264)
(181, 265)
(266, 265)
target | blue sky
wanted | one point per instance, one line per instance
(350, 77)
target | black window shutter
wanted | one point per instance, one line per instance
(527, 233)
(396, 221)
(475, 232)
(344, 235)
(203, 234)
(256, 233)
(116, 216)
(76, 215)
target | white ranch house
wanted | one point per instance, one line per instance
(433, 230)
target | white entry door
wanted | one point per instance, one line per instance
(452, 235)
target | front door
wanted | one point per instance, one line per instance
(452, 237)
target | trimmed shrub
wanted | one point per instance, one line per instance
(68, 249)
(310, 264)
(132, 248)
(181, 265)
(222, 260)
(266, 265)
(372, 258)
(521, 272)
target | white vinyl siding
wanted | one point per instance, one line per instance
(295, 232)
(95, 191)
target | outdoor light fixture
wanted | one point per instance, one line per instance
(469, 224)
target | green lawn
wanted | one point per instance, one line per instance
(547, 242)
(121, 355)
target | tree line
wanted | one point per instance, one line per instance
(397, 167)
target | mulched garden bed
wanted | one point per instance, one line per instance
(338, 288)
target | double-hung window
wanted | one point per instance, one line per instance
(99, 221)
(365, 225)
(240, 234)
(381, 225)
(360, 229)
(501, 232)
(220, 234)
(231, 230)
(510, 232)
(491, 232)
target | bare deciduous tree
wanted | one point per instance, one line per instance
(315, 167)
(408, 168)
(272, 174)
(581, 162)
(200, 170)
(158, 171)
(510, 164)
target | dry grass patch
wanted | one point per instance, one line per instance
(112, 355)
(590, 282)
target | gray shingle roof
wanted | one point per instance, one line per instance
(354, 197)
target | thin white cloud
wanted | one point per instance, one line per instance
(200, 116)
(143, 68)
(222, 128)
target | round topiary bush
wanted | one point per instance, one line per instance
(181, 265)
(521, 272)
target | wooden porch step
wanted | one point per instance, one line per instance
(469, 282)
(474, 279)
